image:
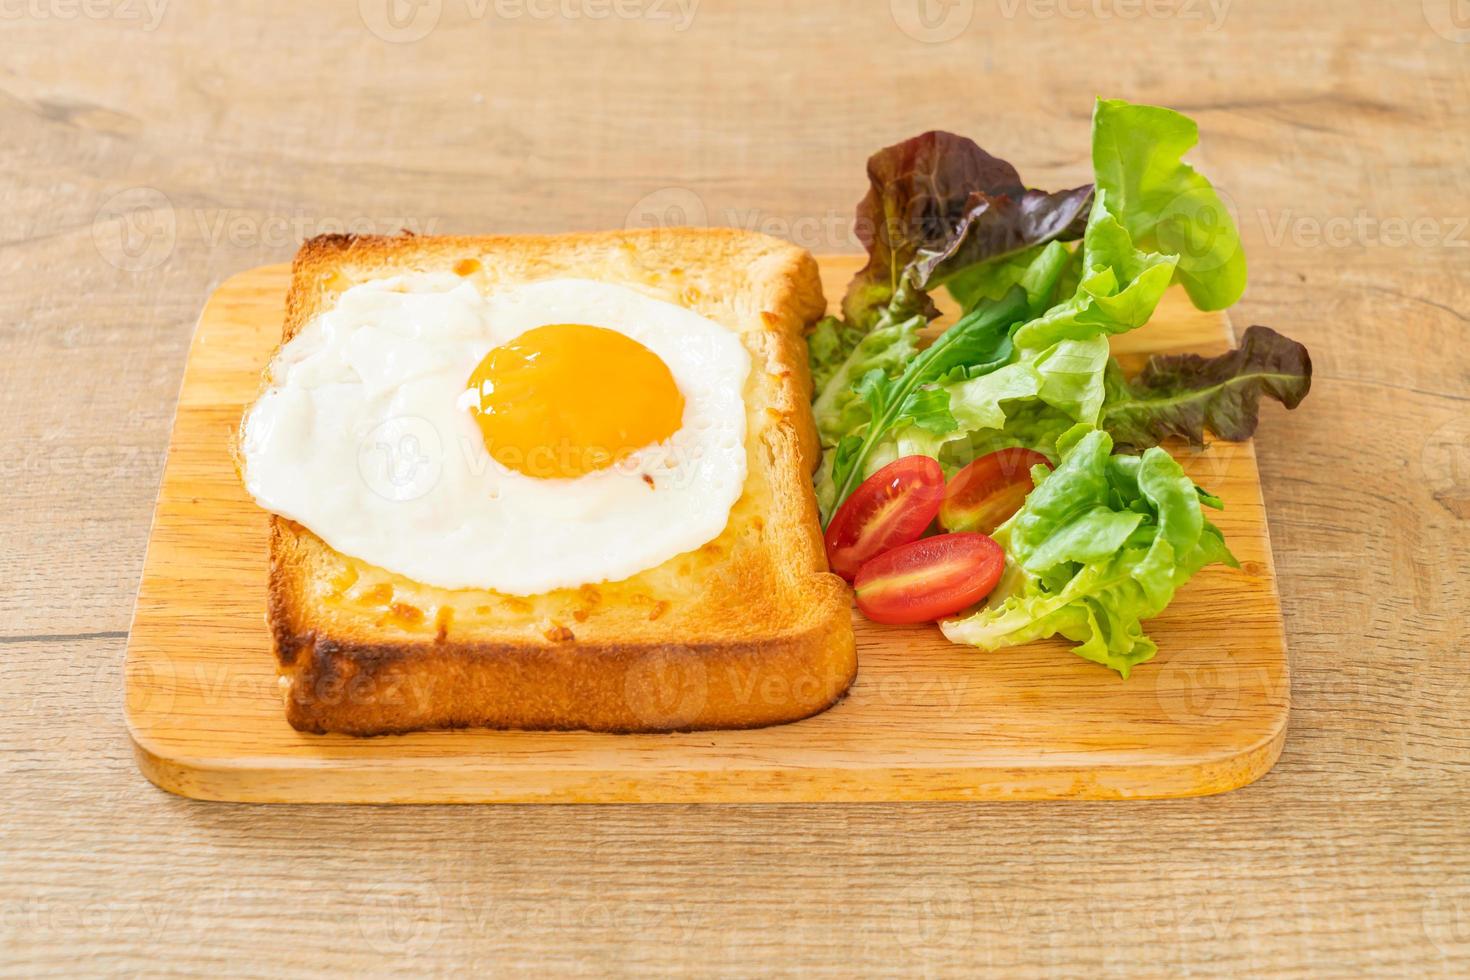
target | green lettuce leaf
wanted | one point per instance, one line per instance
(1032, 425)
(1072, 375)
(838, 408)
(1100, 545)
(1034, 399)
(990, 280)
(1058, 360)
(1163, 203)
(1119, 289)
(1187, 395)
(828, 345)
(975, 404)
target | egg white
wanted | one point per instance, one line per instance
(363, 435)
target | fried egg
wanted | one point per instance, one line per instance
(543, 436)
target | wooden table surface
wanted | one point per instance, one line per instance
(151, 149)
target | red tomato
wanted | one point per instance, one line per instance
(929, 578)
(889, 508)
(985, 494)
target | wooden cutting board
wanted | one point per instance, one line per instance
(926, 720)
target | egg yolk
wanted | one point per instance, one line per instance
(567, 399)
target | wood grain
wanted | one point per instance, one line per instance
(924, 721)
(266, 121)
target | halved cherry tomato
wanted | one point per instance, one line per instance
(892, 507)
(929, 578)
(985, 494)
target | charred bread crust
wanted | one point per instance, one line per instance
(749, 630)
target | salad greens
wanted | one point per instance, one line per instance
(1165, 206)
(1185, 394)
(1043, 280)
(1101, 544)
(938, 202)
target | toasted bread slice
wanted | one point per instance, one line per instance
(748, 630)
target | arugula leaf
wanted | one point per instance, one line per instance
(1028, 403)
(1100, 545)
(975, 404)
(978, 343)
(1164, 204)
(1186, 394)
